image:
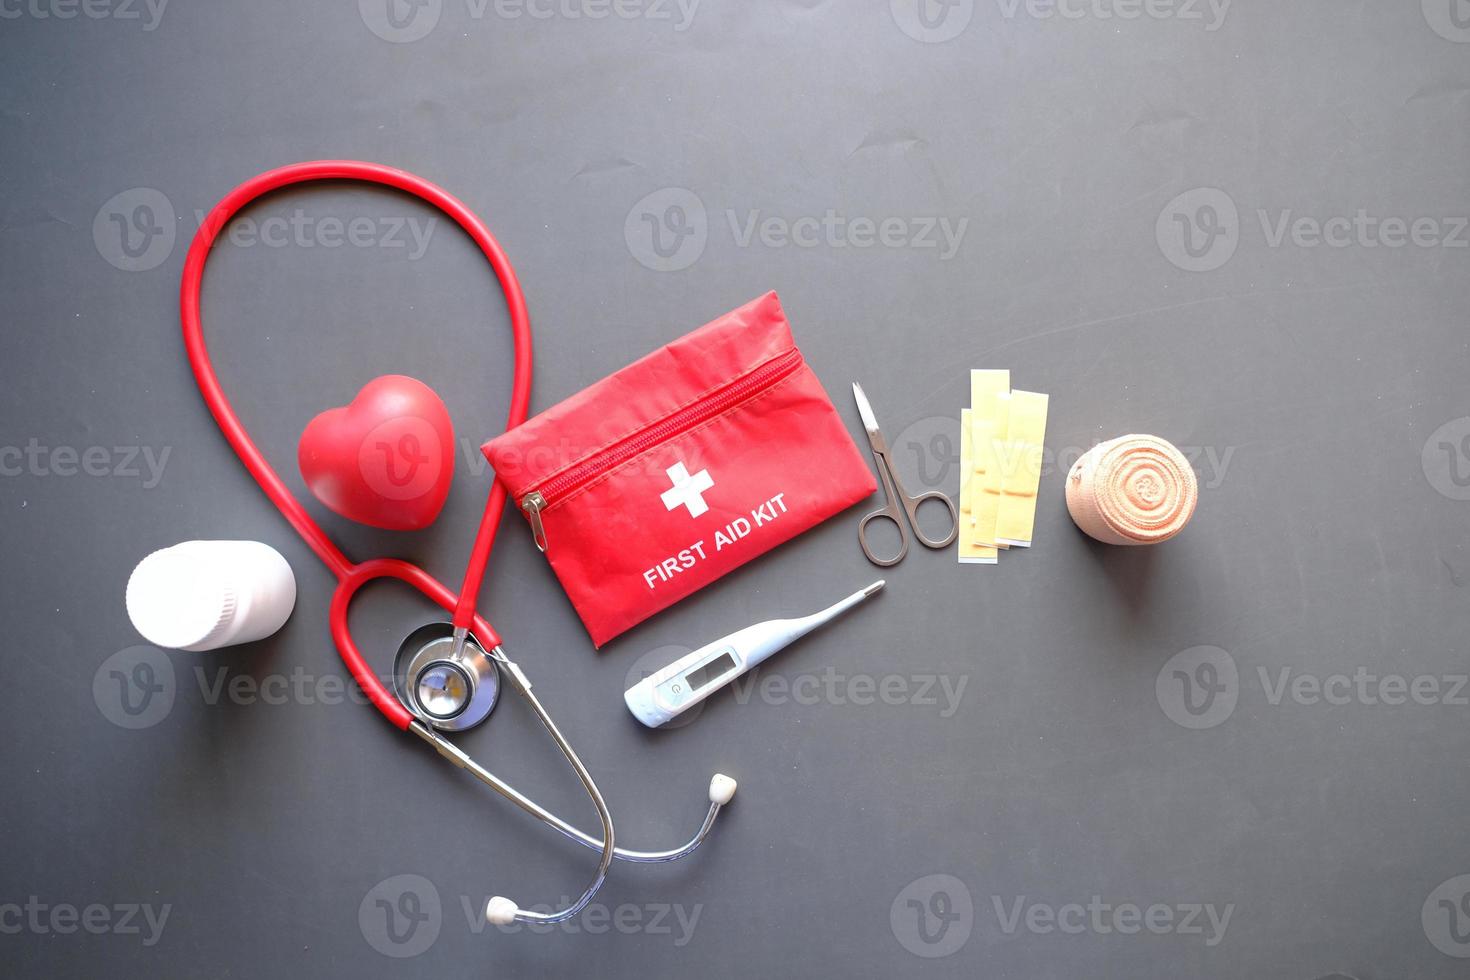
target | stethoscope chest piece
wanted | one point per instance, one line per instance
(451, 693)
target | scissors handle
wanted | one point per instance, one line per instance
(898, 497)
(911, 506)
(888, 512)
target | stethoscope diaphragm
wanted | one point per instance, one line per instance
(451, 693)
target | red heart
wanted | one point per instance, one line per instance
(387, 459)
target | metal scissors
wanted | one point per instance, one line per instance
(896, 495)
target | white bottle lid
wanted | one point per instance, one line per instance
(202, 595)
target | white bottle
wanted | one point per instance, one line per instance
(202, 595)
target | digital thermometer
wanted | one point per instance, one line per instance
(664, 695)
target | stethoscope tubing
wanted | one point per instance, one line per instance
(352, 576)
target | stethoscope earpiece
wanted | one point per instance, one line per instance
(451, 693)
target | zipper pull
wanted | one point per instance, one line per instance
(532, 503)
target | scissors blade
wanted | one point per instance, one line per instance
(870, 421)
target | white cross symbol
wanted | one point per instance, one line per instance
(687, 489)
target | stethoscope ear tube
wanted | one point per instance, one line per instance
(502, 911)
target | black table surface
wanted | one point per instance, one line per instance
(1241, 226)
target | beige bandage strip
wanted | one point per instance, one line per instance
(1132, 490)
(971, 551)
(987, 391)
(967, 464)
(991, 392)
(983, 386)
(1021, 456)
(987, 480)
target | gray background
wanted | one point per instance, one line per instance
(1311, 382)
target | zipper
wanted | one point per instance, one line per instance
(715, 403)
(532, 503)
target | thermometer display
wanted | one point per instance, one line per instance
(714, 668)
(681, 687)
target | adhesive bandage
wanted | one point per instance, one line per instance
(1021, 457)
(971, 551)
(989, 407)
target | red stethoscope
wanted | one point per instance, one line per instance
(459, 663)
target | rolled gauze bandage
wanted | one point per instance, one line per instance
(1134, 489)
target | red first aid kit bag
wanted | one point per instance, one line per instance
(657, 480)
